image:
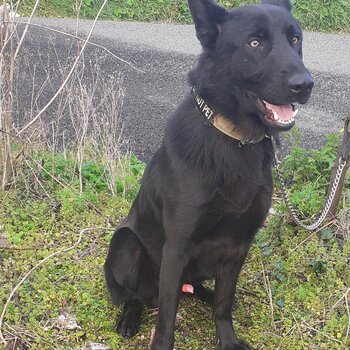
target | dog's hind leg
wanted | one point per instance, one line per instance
(204, 294)
(131, 279)
(129, 321)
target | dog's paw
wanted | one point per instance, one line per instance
(239, 345)
(127, 325)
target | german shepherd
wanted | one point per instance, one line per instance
(207, 190)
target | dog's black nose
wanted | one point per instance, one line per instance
(301, 84)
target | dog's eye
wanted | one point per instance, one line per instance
(255, 43)
(295, 40)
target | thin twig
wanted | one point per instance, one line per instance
(89, 42)
(269, 294)
(342, 297)
(69, 74)
(291, 330)
(348, 311)
(345, 297)
(322, 333)
(20, 249)
(37, 178)
(78, 15)
(26, 29)
(299, 330)
(330, 223)
(2, 339)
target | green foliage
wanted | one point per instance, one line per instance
(317, 15)
(306, 282)
(307, 175)
(95, 176)
(325, 15)
(307, 274)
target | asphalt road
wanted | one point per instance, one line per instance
(166, 52)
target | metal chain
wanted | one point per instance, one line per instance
(329, 200)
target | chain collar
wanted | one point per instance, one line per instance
(333, 188)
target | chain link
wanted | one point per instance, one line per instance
(328, 203)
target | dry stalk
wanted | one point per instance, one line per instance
(343, 222)
(51, 133)
(307, 326)
(329, 223)
(58, 92)
(94, 112)
(11, 12)
(78, 14)
(269, 294)
(291, 331)
(345, 296)
(348, 312)
(80, 106)
(6, 102)
(108, 130)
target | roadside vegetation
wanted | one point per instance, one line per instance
(293, 292)
(318, 15)
(67, 178)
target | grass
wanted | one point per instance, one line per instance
(318, 15)
(305, 274)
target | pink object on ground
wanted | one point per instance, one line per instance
(188, 288)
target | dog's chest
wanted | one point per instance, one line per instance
(236, 196)
(240, 186)
(237, 206)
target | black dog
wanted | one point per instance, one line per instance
(207, 190)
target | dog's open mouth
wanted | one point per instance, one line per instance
(280, 116)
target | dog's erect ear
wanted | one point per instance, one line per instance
(207, 16)
(283, 3)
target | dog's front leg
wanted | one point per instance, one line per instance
(225, 288)
(171, 271)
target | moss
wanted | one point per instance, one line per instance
(307, 274)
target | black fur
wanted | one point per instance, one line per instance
(203, 197)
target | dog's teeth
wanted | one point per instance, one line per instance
(295, 112)
(275, 116)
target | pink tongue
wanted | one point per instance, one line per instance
(284, 112)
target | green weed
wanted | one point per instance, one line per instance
(60, 168)
(305, 275)
(308, 174)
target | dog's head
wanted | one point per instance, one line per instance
(251, 64)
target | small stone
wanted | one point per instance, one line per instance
(95, 346)
(272, 211)
(66, 321)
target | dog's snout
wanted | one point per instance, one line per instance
(301, 84)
